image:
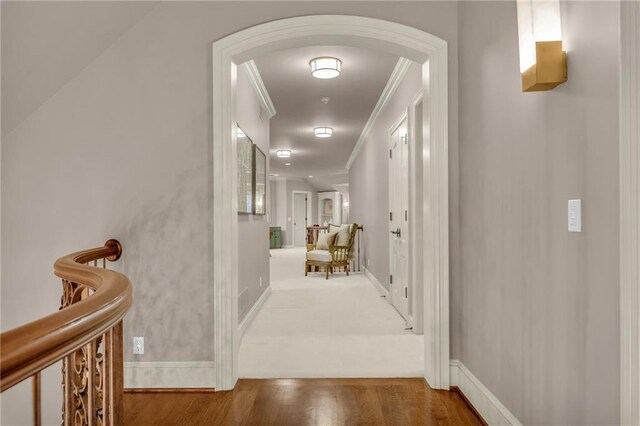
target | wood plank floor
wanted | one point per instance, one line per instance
(304, 402)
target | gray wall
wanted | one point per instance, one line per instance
(281, 204)
(253, 230)
(369, 179)
(536, 317)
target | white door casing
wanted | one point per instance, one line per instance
(300, 215)
(356, 31)
(629, 145)
(399, 217)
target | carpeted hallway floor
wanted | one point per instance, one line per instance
(312, 327)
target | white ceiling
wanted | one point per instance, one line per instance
(296, 96)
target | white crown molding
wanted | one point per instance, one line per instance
(258, 86)
(253, 312)
(383, 291)
(486, 404)
(630, 212)
(163, 374)
(400, 70)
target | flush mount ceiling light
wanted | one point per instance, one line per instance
(283, 153)
(543, 63)
(325, 67)
(323, 132)
(287, 164)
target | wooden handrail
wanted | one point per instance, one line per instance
(30, 348)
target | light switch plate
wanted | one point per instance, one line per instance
(575, 215)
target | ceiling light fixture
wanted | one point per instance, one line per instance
(323, 132)
(287, 164)
(325, 67)
(283, 153)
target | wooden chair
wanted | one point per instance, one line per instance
(337, 257)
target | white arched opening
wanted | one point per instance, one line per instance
(356, 31)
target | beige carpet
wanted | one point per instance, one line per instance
(312, 327)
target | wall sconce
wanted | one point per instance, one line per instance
(543, 63)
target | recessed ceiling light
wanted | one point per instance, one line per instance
(287, 164)
(325, 100)
(283, 153)
(325, 67)
(323, 132)
(310, 176)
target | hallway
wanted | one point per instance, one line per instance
(311, 327)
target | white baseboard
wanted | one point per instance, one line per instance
(486, 403)
(251, 315)
(188, 374)
(383, 291)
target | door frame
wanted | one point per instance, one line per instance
(404, 116)
(416, 248)
(401, 40)
(629, 145)
(293, 212)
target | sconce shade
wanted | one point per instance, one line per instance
(543, 63)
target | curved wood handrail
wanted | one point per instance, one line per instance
(32, 347)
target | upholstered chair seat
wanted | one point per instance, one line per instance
(319, 255)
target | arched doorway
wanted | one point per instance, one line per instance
(356, 31)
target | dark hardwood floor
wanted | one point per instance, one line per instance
(304, 402)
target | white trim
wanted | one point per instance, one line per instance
(293, 213)
(356, 31)
(383, 291)
(415, 219)
(162, 374)
(629, 212)
(251, 315)
(398, 73)
(258, 86)
(488, 406)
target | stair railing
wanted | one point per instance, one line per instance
(86, 334)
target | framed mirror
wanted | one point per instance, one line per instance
(245, 172)
(259, 181)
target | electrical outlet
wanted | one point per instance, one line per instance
(138, 345)
(260, 281)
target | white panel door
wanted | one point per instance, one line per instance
(299, 219)
(398, 218)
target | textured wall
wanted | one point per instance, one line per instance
(369, 179)
(539, 307)
(253, 230)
